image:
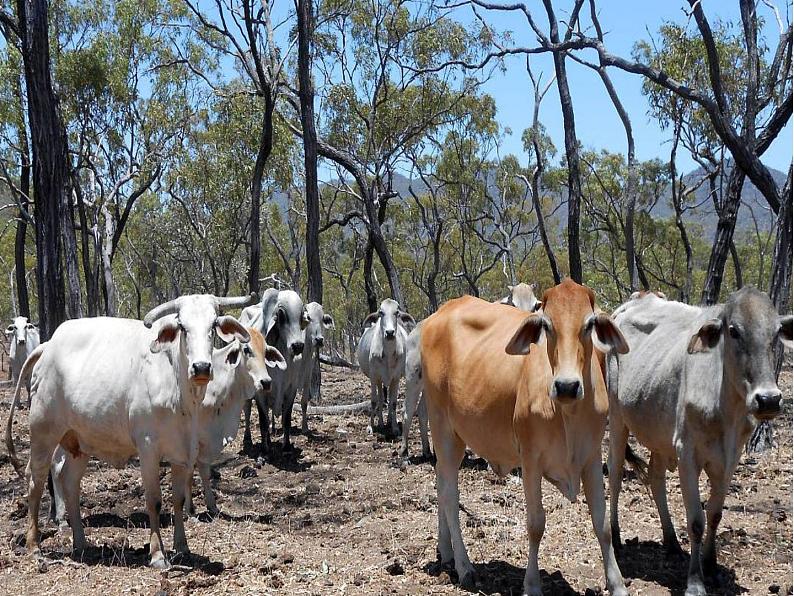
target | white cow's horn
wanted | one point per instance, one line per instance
(160, 311)
(237, 301)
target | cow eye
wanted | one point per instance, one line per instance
(733, 331)
(380, 313)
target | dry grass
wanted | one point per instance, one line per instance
(340, 515)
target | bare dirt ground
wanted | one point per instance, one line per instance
(340, 515)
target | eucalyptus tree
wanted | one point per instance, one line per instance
(377, 101)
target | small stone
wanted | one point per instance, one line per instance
(774, 589)
(248, 472)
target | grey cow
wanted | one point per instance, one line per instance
(381, 356)
(282, 319)
(318, 322)
(701, 375)
(24, 338)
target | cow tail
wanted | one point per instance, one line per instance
(639, 465)
(24, 374)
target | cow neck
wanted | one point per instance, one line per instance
(731, 412)
(190, 396)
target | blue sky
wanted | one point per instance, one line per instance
(597, 124)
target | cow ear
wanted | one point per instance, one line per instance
(505, 300)
(706, 337)
(607, 333)
(530, 332)
(328, 322)
(233, 356)
(538, 305)
(407, 319)
(30, 326)
(785, 331)
(229, 329)
(510, 288)
(166, 334)
(371, 319)
(274, 359)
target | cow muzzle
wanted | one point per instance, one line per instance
(296, 348)
(766, 404)
(265, 385)
(389, 333)
(201, 373)
(319, 341)
(567, 389)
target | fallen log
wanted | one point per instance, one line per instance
(340, 409)
(337, 361)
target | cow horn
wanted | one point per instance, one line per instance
(160, 311)
(238, 301)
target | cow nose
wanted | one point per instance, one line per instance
(297, 348)
(567, 388)
(201, 369)
(319, 341)
(266, 384)
(390, 334)
(768, 403)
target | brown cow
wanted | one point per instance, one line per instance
(542, 408)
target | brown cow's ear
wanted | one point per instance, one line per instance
(706, 337)
(274, 359)
(167, 333)
(608, 333)
(371, 319)
(229, 329)
(785, 331)
(530, 332)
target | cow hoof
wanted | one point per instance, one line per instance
(469, 580)
(695, 589)
(160, 563)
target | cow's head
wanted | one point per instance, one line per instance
(318, 323)
(284, 319)
(258, 358)
(390, 317)
(522, 296)
(570, 325)
(747, 328)
(18, 330)
(196, 322)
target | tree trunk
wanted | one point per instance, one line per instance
(265, 147)
(74, 300)
(780, 284)
(306, 97)
(369, 284)
(89, 271)
(50, 169)
(723, 238)
(23, 301)
(571, 151)
(111, 306)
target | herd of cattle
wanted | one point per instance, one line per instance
(524, 383)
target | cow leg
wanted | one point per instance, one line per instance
(150, 473)
(450, 451)
(411, 402)
(305, 396)
(394, 390)
(190, 506)
(374, 393)
(536, 523)
(179, 480)
(618, 439)
(656, 473)
(70, 477)
(381, 404)
(423, 427)
(247, 442)
(55, 486)
(689, 472)
(286, 420)
(593, 484)
(719, 485)
(206, 485)
(264, 427)
(36, 473)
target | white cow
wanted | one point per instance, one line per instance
(314, 339)
(690, 390)
(24, 338)
(381, 356)
(112, 389)
(232, 386)
(522, 296)
(282, 319)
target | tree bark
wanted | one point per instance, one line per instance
(265, 148)
(23, 300)
(369, 284)
(50, 169)
(306, 97)
(89, 270)
(571, 150)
